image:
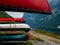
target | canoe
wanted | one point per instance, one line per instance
(13, 27)
(25, 5)
(18, 37)
(4, 20)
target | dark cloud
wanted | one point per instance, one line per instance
(45, 21)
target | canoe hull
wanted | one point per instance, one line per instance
(25, 5)
(12, 27)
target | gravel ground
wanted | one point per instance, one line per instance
(35, 42)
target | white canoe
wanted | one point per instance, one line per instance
(24, 27)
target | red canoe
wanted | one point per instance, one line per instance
(2, 20)
(26, 5)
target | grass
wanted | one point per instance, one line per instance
(3, 14)
(35, 38)
(21, 43)
(46, 33)
(55, 41)
(29, 43)
(26, 43)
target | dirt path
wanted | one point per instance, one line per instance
(44, 37)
